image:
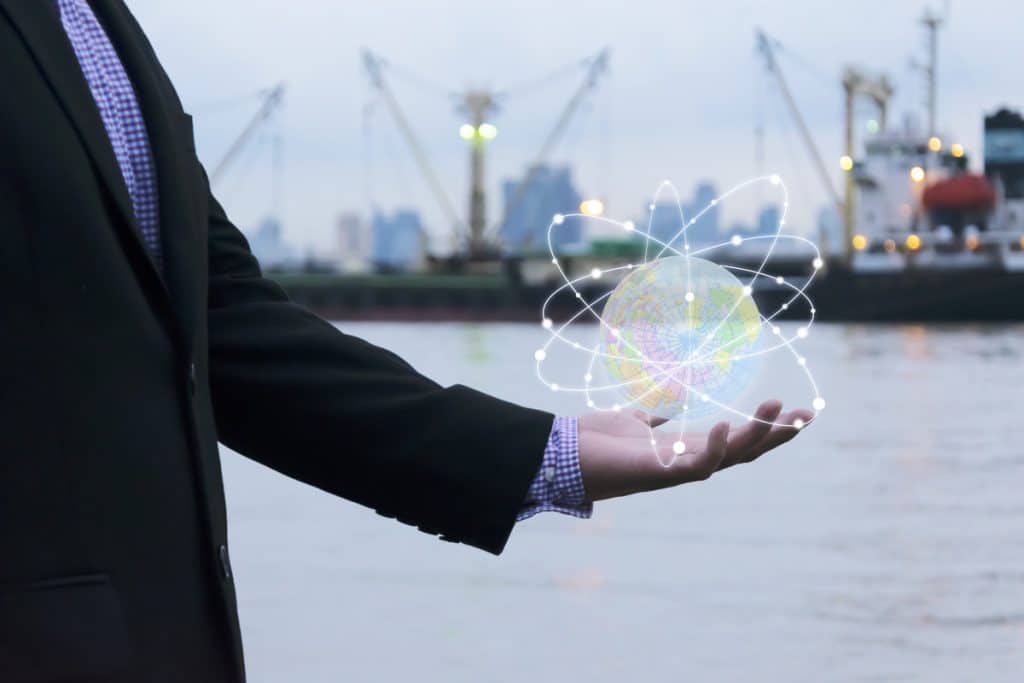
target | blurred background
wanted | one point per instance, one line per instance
(396, 166)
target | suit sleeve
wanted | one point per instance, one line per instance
(296, 394)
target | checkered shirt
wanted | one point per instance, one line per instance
(122, 118)
(558, 486)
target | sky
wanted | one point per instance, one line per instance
(681, 100)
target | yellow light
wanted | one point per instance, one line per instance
(1021, 242)
(467, 131)
(913, 242)
(972, 242)
(860, 242)
(890, 246)
(845, 163)
(592, 207)
(934, 144)
(488, 131)
(957, 149)
(917, 174)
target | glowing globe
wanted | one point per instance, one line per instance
(680, 335)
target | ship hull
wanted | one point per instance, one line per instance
(839, 295)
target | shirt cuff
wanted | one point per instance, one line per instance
(558, 486)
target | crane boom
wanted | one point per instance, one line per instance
(766, 46)
(271, 102)
(374, 68)
(597, 66)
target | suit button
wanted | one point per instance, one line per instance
(225, 561)
(192, 378)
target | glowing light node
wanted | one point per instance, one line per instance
(558, 219)
(819, 403)
(546, 323)
(540, 354)
(679, 448)
(596, 273)
(689, 297)
(802, 333)
(798, 423)
(736, 240)
(818, 263)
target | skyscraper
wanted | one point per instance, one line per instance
(528, 211)
(398, 240)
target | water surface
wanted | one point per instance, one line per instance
(886, 544)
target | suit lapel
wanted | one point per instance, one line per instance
(180, 230)
(182, 239)
(39, 25)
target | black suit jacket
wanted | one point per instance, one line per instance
(116, 385)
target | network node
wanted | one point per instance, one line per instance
(675, 340)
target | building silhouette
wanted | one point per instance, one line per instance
(528, 212)
(398, 240)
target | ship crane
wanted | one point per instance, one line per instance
(478, 106)
(272, 101)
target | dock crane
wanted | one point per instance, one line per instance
(856, 83)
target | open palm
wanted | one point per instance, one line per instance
(617, 457)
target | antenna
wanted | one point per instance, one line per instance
(932, 22)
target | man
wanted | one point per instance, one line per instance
(137, 331)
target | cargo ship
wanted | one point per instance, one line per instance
(924, 237)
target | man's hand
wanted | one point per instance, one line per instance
(617, 457)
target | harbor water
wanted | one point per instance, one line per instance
(885, 544)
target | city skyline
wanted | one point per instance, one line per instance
(681, 109)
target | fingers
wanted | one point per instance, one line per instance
(784, 431)
(744, 442)
(649, 420)
(705, 462)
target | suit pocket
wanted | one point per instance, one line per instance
(66, 629)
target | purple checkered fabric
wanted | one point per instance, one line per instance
(122, 117)
(559, 483)
(558, 486)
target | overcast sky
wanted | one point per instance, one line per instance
(680, 102)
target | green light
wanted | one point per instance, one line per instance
(467, 132)
(488, 131)
(873, 126)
